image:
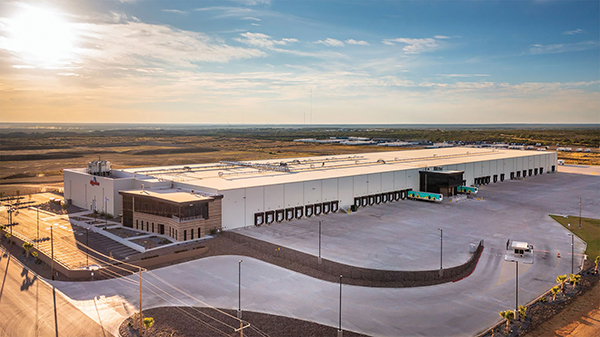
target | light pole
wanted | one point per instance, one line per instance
(319, 241)
(441, 248)
(105, 211)
(579, 214)
(572, 250)
(516, 288)
(87, 246)
(340, 332)
(240, 298)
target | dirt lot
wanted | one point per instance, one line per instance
(580, 319)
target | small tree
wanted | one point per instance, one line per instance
(561, 279)
(35, 255)
(508, 315)
(522, 311)
(8, 237)
(575, 279)
(554, 291)
(27, 246)
(148, 323)
(2, 229)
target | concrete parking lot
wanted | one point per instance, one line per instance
(404, 235)
(513, 209)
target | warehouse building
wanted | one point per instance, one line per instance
(189, 201)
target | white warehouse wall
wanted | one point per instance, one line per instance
(79, 188)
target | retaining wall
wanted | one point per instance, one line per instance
(359, 275)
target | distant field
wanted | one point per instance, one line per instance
(32, 162)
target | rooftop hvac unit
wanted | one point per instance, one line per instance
(99, 168)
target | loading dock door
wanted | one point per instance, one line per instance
(279, 215)
(289, 214)
(326, 207)
(299, 212)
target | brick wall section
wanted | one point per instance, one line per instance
(358, 275)
(205, 225)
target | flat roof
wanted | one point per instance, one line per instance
(519, 245)
(172, 195)
(233, 175)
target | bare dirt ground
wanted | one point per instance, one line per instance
(207, 322)
(580, 319)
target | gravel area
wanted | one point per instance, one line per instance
(207, 322)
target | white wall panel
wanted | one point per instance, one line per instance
(294, 194)
(387, 181)
(399, 180)
(255, 202)
(233, 213)
(274, 197)
(360, 185)
(346, 191)
(412, 179)
(374, 185)
(312, 192)
(329, 189)
(485, 168)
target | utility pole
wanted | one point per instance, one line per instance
(340, 332)
(141, 317)
(579, 215)
(38, 223)
(319, 241)
(52, 248)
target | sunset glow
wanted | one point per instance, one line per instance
(41, 37)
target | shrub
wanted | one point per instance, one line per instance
(543, 299)
(213, 231)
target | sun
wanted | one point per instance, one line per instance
(41, 37)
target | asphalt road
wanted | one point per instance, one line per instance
(31, 307)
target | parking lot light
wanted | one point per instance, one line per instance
(441, 247)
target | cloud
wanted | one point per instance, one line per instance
(331, 42)
(263, 41)
(573, 32)
(176, 11)
(251, 18)
(441, 37)
(538, 49)
(415, 46)
(463, 75)
(360, 43)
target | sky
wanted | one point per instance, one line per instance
(300, 62)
